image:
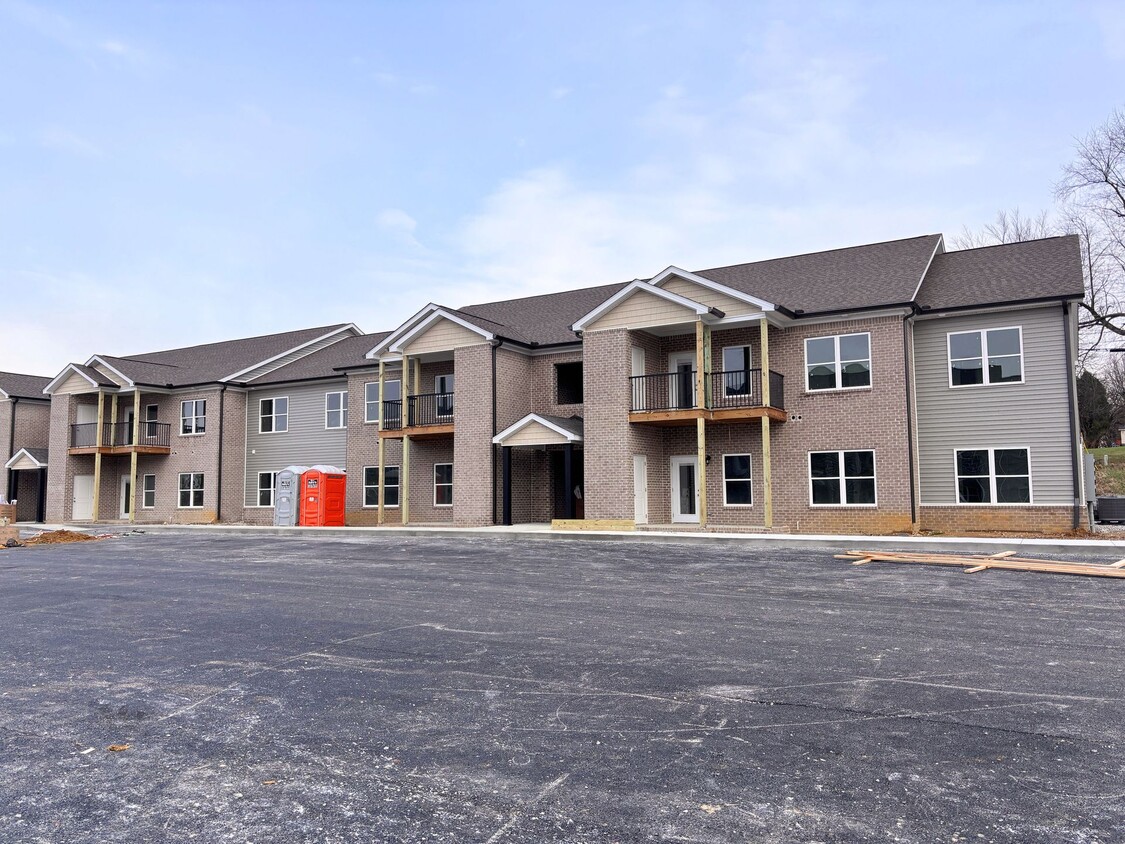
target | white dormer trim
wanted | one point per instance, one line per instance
(630, 290)
(419, 323)
(661, 277)
(62, 376)
(16, 457)
(531, 419)
(99, 359)
(939, 248)
(350, 327)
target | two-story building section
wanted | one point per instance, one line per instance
(25, 417)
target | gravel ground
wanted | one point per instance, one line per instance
(482, 689)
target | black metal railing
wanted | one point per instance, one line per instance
(120, 434)
(429, 409)
(677, 390)
(392, 414)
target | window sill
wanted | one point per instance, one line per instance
(836, 390)
(844, 506)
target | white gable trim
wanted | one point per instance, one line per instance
(98, 359)
(16, 457)
(530, 419)
(62, 376)
(630, 290)
(405, 326)
(939, 247)
(663, 276)
(350, 327)
(435, 316)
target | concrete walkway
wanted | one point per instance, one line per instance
(1110, 548)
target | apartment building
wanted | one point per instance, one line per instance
(879, 388)
(25, 414)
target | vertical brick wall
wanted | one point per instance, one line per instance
(423, 455)
(362, 443)
(60, 477)
(472, 439)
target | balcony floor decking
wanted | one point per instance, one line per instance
(718, 415)
(119, 449)
(418, 432)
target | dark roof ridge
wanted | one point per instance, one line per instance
(542, 296)
(139, 357)
(822, 252)
(1009, 243)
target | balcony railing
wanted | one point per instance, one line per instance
(677, 390)
(421, 410)
(120, 435)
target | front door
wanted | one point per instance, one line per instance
(640, 489)
(82, 505)
(685, 490)
(443, 387)
(682, 387)
(125, 497)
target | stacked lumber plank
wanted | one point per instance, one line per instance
(973, 563)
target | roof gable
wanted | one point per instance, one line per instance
(656, 307)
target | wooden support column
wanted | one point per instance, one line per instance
(380, 444)
(133, 456)
(406, 390)
(98, 457)
(700, 365)
(701, 460)
(767, 466)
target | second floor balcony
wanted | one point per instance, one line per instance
(121, 438)
(426, 414)
(674, 397)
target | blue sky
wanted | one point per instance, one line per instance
(174, 173)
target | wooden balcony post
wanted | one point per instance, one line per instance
(133, 457)
(98, 457)
(700, 366)
(767, 467)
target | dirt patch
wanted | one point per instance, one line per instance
(58, 537)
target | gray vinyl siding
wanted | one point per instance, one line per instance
(306, 443)
(1033, 414)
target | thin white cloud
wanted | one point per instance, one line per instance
(114, 47)
(64, 140)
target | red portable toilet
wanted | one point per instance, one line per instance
(323, 493)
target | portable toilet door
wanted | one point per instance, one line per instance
(286, 498)
(311, 503)
(322, 499)
(333, 499)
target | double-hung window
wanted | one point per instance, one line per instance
(992, 356)
(191, 490)
(266, 482)
(842, 362)
(736, 371)
(737, 490)
(443, 484)
(371, 486)
(371, 401)
(994, 476)
(193, 416)
(148, 492)
(336, 409)
(273, 416)
(842, 478)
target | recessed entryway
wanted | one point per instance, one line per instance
(685, 489)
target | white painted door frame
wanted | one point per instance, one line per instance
(640, 489)
(124, 499)
(678, 462)
(82, 499)
(675, 361)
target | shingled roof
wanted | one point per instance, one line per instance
(211, 362)
(545, 319)
(19, 386)
(331, 361)
(1050, 268)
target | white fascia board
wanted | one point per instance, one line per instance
(97, 359)
(661, 277)
(874, 313)
(374, 354)
(50, 388)
(629, 290)
(4, 396)
(438, 314)
(532, 418)
(16, 457)
(350, 327)
(939, 247)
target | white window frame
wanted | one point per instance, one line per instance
(450, 485)
(438, 391)
(749, 394)
(983, 332)
(749, 480)
(992, 478)
(839, 388)
(386, 486)
(151, 432)
(841, 478)
(273, 415)
(194, 432)
(202, 489)
(343, 410)
(260, 488)
(145, 491)
(367, 402)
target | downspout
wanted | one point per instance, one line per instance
(1071, 403)
(219, 485)
(906, 359)
(495, 345)
(11, 447)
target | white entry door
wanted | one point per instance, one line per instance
(682, 379)
(124, 497)
(685, 490)
(640, 489)
(82, 505)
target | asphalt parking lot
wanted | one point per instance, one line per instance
(488, 690)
